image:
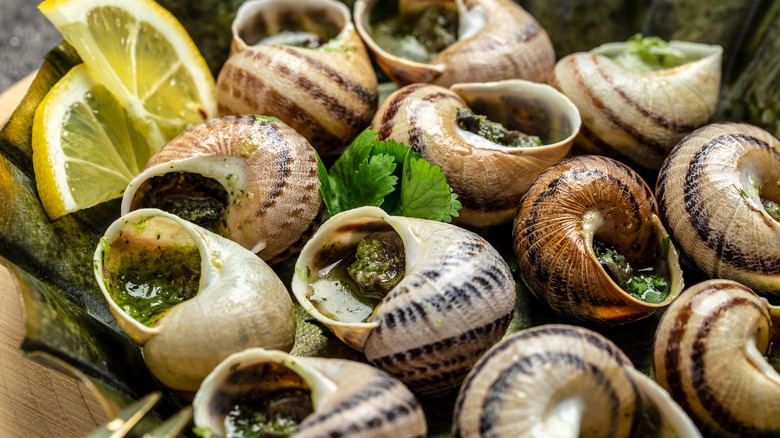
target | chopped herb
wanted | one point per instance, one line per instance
(368, 171)
(379, 264)
(646, 54)
(650, 288)
(417, 37)
(493, 131)
(665, 247)
(771, 207)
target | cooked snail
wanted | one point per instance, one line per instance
(422, 299)
(449, 41)
(636, 104)
(589, 243)
(563, 381)
(709, 354)
(251, 179)
(719, 193)
(300, 61)
(189, 297)
(489, 161)
(271, 391)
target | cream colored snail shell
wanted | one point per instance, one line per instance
(560, 381)
(709, 194)
(349, 399)
(272, 197)
(497, 40)
(709, 354)
(488, 178)
(639, 117)
(454, 301)
(570, 205)
(240, 302)
(327, 94)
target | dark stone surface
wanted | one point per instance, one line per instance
(25, 36)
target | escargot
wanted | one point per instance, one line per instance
(563, 381)
(639, 98)
(189, 297)
(422, 299)
(589, 242)
(449, 41)
(274, 394)
(251, 179)
(303, 62)
(709, 354)
(719, 194)
(491, 140)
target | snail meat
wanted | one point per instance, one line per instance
(270, 393)
(493, 131)
(450, 296)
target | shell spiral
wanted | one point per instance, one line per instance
(569, 206)
(454, 301)
(709, 354)
(327, 94)
(709, 194)
(561, 381)
(639, 117)
(268, 170)
(350, 399)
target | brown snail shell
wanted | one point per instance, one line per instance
(488, 178)
(327, 94)
(561, 381)
(709, 194)
(709, 354)
(268, 171)
(638, 117)
(454, 301)
(570, 205)
(349, 399)
(239, 302)
(497, 40)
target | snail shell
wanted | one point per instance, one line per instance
(454, 301)
(709, 194)
(327, 94)
(570, 205)
(240, 302)
(497, 40)
(560, 381)
(638, 117)
(488, 178)
(268, 171)
(709, 354)
(350, 399)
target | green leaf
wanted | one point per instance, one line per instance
(372, 181)
(425, 193)
(326, 186)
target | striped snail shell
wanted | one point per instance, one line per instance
(572, 205)
(561, 381)
(488, 178)
(637, 117)
(712, 192)
(220, 298)
(709, 354)
(497, 39)
(251, 179)
(454, 301)
(330, 397)
(327, 93)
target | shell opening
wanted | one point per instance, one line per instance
(150, 266)
(651, 54)
(304, 24)
(191, 196)
(348, 280)
(260, 399)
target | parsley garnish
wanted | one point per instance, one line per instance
(369, 172)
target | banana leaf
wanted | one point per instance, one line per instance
(68, 325)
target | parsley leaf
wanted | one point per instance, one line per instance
(368, 172)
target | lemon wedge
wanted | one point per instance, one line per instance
(87, 148)
(144, 82)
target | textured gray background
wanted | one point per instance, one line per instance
(25, 36)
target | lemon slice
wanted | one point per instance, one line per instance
(86, 145)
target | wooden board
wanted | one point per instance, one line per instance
(34, 400)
